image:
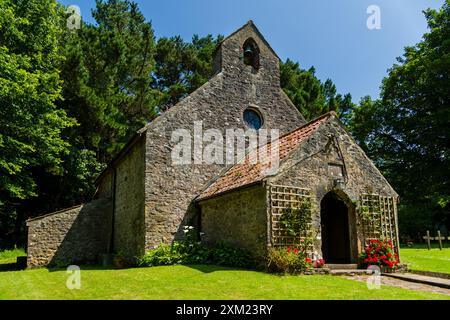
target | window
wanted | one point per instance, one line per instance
(251, 53)
(253, 118)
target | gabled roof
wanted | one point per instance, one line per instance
(248, 171)
(252, 24)
(138, 134)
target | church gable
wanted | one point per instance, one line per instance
(331, 157)
(246, 49)
(320, 153)
(321, 165)
(241, 85)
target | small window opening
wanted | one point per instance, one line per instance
(251, 53)
(252, 118)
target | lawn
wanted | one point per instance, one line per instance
(10, 256)
(420, 258)
(186, 282)
(190, 282)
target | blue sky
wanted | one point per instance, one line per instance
(331, 35)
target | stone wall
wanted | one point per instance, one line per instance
(74, 235)
(105, 187)
(308, 167)
(170, 189)
(238, 218)
(129, 203)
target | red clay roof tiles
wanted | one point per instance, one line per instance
(250, 171)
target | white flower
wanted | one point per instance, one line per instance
(191, 227)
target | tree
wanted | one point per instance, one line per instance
(107, 77)
(303, 88)
(182, 67)
(31, 124)
(312, 97)
(407, 132)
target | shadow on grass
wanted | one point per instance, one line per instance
(92, 267)
(434, 245)
(208, 268)
(204, 268)
(9, 267)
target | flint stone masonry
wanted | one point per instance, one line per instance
(219, 103)
(128, 212)
(144, 199)
(150, 197)
(238, 218)
(242, 216)
(308, 167)
(73, 235)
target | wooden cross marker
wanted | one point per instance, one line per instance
(440, 239)
(428, 238)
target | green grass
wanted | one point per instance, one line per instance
(188, 282)
(420, 258)
(191, 282)
(9, 256)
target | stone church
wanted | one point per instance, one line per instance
(143, 199)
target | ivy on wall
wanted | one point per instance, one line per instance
(296, 220)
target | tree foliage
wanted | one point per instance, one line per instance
(312, 97)
(407, 131)
(182, 67)
(31, 123)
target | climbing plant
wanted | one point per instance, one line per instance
(296, 219)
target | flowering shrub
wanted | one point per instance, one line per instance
(319, 263)
(288, 260)
(380, 253)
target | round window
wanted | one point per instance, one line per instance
(253, 118)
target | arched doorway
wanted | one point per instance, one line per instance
(334, 214)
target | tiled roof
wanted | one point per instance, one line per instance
(250, 171)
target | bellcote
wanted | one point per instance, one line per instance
(246, 52)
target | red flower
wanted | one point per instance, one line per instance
(308, 260)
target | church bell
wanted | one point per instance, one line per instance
(248, 51)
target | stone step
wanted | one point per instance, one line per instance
(347, 272)
(432, 281)
(342, 266)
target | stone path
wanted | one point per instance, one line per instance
(433, 281)
(396, 282)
